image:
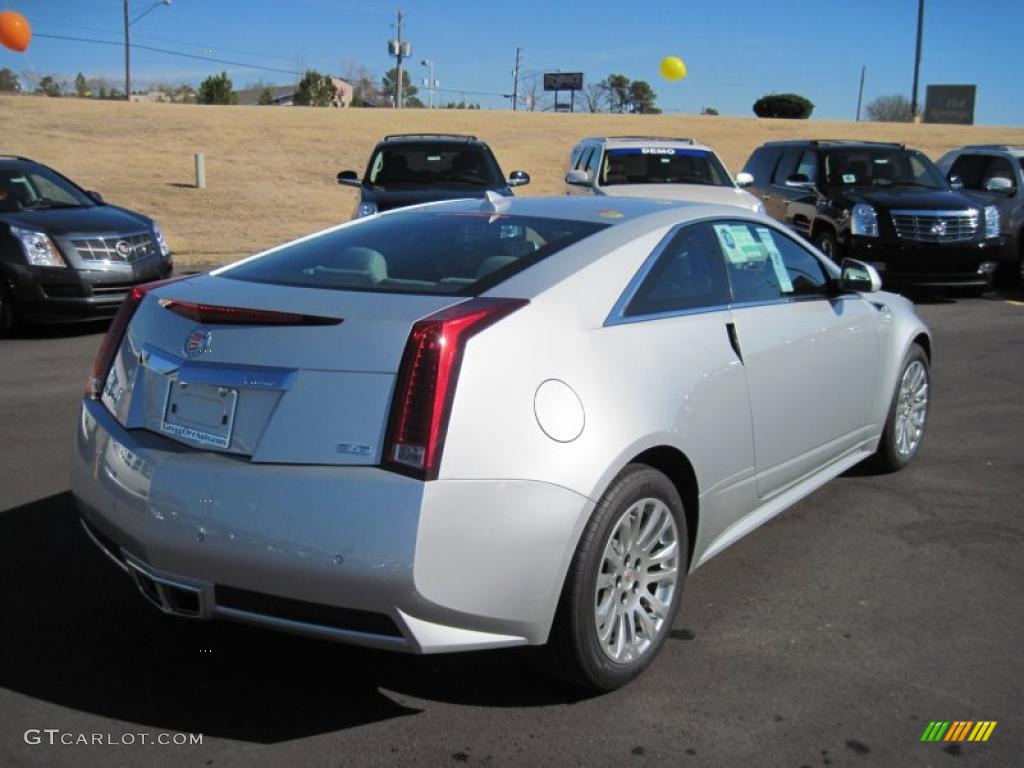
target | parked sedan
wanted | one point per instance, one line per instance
(478, 424)
(64, 253)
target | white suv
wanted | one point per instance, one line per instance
(650, 166)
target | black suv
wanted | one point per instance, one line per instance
(64, 253)
(414, 168)
(881, 203)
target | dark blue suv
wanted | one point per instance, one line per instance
(414, 168)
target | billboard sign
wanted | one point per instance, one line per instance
(950, 104)
(563, 81)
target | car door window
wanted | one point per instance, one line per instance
(592, 162)
(765, 265)
(999, 168)
(584, 158)
(970, 169)
(787, 165)
(808, 166)
(688, 274)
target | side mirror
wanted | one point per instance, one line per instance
(744, 179)
(349, 179)
(955, 182)
(1000, 185)
(518, 179)
(578, 178)
(860, 277)
(799, 180)
(96, 197)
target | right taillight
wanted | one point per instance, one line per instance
(112, 341)
(426, 383)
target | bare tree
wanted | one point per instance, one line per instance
(594, 97)
(894, 108)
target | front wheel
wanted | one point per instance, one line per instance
(623, 588)
(908, 414)
(825, 241)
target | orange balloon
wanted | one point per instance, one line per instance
(15, 32)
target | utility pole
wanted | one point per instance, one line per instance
(860, 93)
(127, 65)
(515, 82)
(400, 49)
(917, 57)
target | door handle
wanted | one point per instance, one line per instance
(734, 341)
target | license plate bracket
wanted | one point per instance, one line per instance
(200, 413)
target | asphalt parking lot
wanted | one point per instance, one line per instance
(831, 636)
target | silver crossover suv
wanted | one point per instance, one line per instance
(477, 424)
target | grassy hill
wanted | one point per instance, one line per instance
(270, 170)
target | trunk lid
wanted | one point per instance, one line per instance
(293, 393)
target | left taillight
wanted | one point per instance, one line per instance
(112, 341)
(425, 387)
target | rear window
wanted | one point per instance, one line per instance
(662, 165)
(434, 164)
(451, 253)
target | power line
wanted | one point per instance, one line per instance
(172, 53)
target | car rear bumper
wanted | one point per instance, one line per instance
(46, 294)
(355, 554)
(926, 264)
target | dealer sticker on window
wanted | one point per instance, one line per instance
(781, 273)
(739, 245)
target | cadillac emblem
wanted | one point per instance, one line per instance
(938, 228)
(198, 341)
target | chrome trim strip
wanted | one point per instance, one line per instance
(117, 561)
(219, 374)
(969, 213)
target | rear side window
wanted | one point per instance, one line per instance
(689, 274)
(451, 253)
(763, 264)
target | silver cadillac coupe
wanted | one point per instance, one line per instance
(474, 424)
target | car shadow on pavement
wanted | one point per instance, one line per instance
(79, 635)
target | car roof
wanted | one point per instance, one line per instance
(1017, 150)
(604, 210)
(16, 162)
(428, 138)
(835, 143)
(617, 142)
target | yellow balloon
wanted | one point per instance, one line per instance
(672, 68)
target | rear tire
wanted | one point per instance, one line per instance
(623, 587)
(908, 414)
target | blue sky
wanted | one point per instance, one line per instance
(735, 50)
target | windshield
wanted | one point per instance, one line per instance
(881, 168)
(433, 165)
(22, 190)
(453, 253)
(662, 165)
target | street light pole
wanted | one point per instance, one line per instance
(917, 57)
(429, 63)
(127, 45)
(127, 60)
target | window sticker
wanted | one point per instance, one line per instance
(657, 151)
(849, 178)
(739, 245)
(777, 264)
